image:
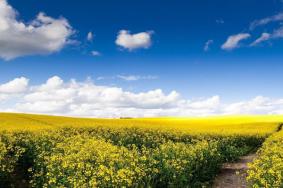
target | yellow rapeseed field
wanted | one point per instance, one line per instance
(50, 151)
(225, 124)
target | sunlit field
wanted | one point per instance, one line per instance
(50, 151)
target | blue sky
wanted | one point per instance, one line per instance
(174, 58)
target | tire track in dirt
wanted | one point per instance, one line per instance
(233, 175)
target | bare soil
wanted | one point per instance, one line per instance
(233, 175)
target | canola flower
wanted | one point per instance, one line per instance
(88, 162)
(9, 156)
(147, 152)
(267, 169)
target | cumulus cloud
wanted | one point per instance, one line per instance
(85, 98)
(267, 20)
(13, 88)
(43, 35)
(207, 45)
(233, 41)
(257, 105)
(133, 41)
(18, 85)
(52, 83)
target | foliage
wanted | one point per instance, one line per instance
(9, 156)
(267, 169)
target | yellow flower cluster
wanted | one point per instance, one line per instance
(151, 152)
(3, 153)
(9, 156)
(267, 169)
(86, 162)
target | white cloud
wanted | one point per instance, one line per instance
(207, 45)
(90, 36)
(95, 53)
(87, 99)
(233, 41)
(136, 77)
(257, 105)
(206, 103)
(128, 77)
(18, 85)
(44, 35)
(52, 83)
(69, 98)
(133, 41)
(262, 38)
(265, 21)
(276, 34)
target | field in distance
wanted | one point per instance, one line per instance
(52, 151)
(231, 124)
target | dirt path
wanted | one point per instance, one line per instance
(233, 175)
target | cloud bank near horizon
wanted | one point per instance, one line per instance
(86, 99)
